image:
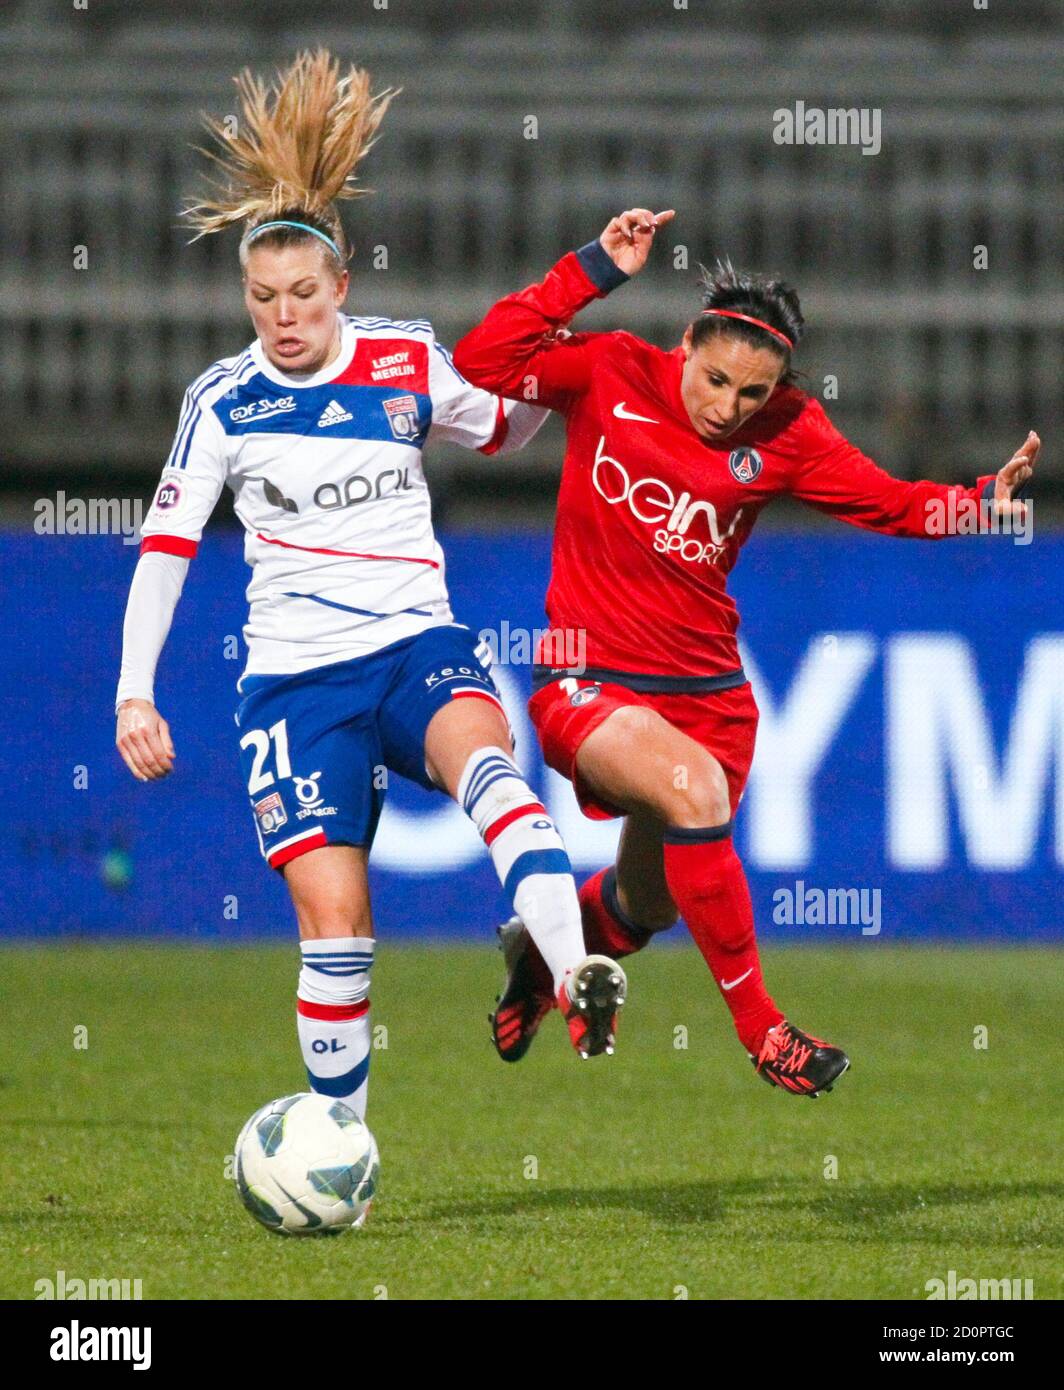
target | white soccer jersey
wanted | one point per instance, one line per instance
(327, 478)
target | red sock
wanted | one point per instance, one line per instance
(708, 885)
(607, 931)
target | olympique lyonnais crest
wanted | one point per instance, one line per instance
(745, 464)
(270, 812)
(402, 416)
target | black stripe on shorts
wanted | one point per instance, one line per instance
(642, 684)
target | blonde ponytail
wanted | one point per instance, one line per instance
(297, 148)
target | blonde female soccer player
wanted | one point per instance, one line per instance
(354, 659)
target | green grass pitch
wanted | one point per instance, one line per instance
(660, 1171)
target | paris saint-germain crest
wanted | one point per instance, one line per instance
(745, 464)
(585, 694)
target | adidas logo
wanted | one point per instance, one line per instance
(333, 414)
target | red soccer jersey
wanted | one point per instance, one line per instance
(651, 516)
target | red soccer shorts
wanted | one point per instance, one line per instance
(566, 710)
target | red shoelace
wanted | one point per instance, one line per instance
(783, 1049)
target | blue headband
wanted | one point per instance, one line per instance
(265, 227)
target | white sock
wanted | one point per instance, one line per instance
(332, 1016)
(528, 855)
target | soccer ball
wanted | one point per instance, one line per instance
(306, 1165)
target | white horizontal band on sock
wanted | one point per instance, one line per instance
(336, 970)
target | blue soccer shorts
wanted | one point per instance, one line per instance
(316, 747)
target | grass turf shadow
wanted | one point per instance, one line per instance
(870, 1212)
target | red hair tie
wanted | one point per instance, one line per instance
(748, 318)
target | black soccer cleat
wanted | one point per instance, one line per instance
(797, 1062)
(527, 996)
(590, 1000)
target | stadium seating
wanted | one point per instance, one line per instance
(163, 41)
(1037, 55)
(102, 110)
(867, 49)
(618, 16)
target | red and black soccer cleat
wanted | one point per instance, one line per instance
(589, 1000)
(527, 997)
(797, 1062)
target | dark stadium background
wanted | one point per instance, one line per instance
(941, 369)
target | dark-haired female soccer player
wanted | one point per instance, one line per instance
(670, 458)
(355, 662)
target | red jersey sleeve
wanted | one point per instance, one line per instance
(832, 475)
(513, 350)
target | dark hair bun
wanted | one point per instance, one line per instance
(774, 301)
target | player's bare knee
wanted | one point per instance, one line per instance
(459, 730)
(699, 794)
(322, 915)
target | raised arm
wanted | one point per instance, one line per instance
(835, 477)
(515, 350)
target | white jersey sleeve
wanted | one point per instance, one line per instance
(464, 414)
(192, 479)
(523, 422)
(153, 595)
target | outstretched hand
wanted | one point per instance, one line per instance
(1015, 473)
(628, 237)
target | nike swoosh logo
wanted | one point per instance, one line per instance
(730, 984)
(623, 414)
